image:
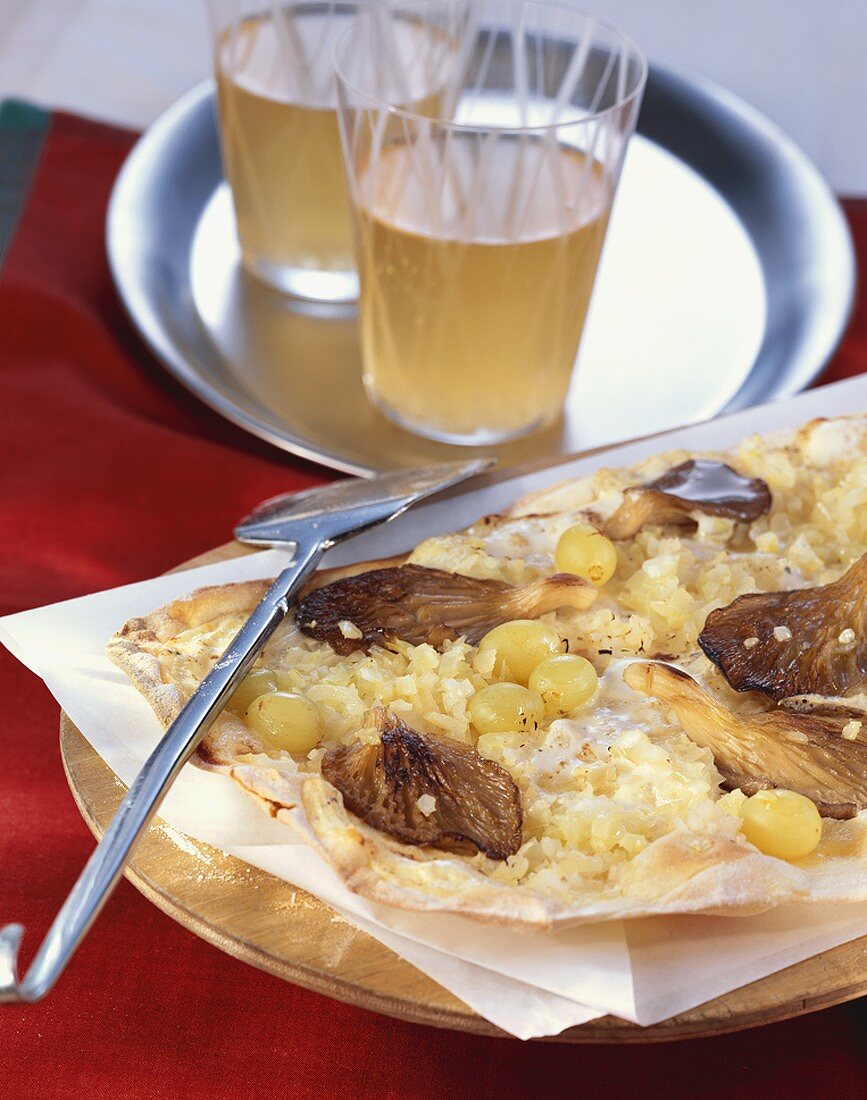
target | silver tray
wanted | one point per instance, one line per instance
(727, 279)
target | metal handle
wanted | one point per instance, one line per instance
(107, 862)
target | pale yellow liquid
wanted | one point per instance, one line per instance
(281, 139)
(471, 318)
(281, 144)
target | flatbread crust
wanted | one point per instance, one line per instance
(724, 879)
(677, 873)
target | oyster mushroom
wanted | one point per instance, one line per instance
(699, 485)
(420, 605)
(809, 641)
(430, 791)
(799, 752)
(834, 706)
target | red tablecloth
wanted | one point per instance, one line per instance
(111, 473)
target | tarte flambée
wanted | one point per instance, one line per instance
(701, 748)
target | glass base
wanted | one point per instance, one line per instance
(483, 437)
(311, 284)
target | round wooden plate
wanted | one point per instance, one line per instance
(287, 932)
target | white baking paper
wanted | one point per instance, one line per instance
(527, 984)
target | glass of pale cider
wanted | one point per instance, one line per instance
(480, 220)
(281, 143)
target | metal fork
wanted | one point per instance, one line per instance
(309, 523)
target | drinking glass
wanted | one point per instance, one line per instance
(281, 143)
(480, 220)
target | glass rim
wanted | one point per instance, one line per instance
(475, 127)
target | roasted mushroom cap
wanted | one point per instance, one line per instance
(699, 485)
(799, 752)
(428, 605)
(811, 641)
(430, 791)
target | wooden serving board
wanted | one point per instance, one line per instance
(287, 932)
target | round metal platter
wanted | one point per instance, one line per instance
(727, 279)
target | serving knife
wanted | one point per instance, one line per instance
(308, 523)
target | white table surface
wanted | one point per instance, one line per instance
(803, 62)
